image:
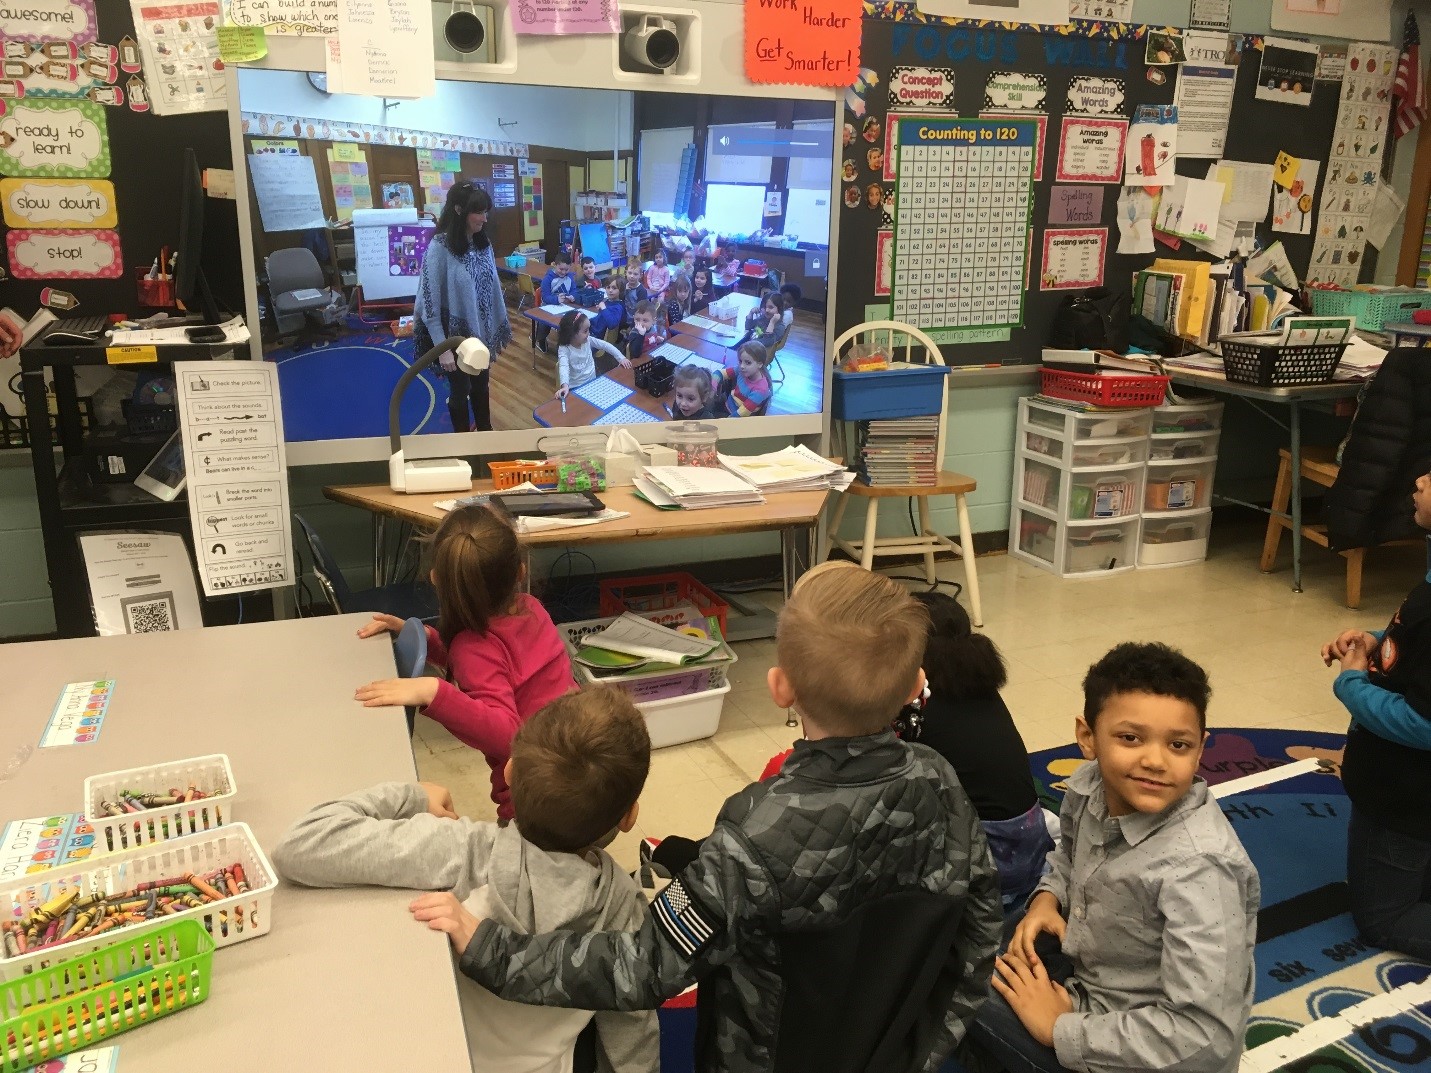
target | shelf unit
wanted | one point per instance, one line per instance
(1078, 489)
(70, 503)
(1177, 508)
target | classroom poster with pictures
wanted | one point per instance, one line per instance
(1073, 258)
(533, 213)
(398, 196)
(1358, 145)
(406, 247)
(349, 180)
(1091, 150)
(180, 44)
(1292, 204)
(1028, 117)
(1289, 70)
(961, 224)
(1152, 147)
(888, 158)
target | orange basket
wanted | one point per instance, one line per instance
(542, 473)
(1104, 389)
(657, 592)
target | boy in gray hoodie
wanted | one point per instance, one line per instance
(577, 768)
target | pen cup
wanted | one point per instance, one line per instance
(154, 293)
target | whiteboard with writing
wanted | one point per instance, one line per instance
(290, 17)
(373, 244)
(287, 191)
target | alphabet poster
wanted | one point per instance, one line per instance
(1090, 150)
(54, 138)
(1073, 258)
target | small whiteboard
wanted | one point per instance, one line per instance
(286, 188)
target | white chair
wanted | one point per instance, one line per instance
(927, 541)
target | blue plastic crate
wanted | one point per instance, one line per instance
(911, 391)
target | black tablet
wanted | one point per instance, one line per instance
(541, 503)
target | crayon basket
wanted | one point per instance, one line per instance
(84, 1001)
(211, 774)
(229, 920)
(1270, 365)
(541, 472)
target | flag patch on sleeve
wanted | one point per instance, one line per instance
(679, 919)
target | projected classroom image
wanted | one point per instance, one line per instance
(627, 257)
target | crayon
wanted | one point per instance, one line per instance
(239, 879)
(12, 944)
(204, 888)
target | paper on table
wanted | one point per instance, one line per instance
(532, 524)
(386, 48)
(1248, 188)
(557, 309)
(234, 329)
(1385, 211)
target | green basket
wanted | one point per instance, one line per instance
(82, 1002)
(1372, 309)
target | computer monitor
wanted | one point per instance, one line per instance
(190, 285)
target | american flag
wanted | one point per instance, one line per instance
(1409, 93)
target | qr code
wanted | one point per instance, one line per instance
(153, 613)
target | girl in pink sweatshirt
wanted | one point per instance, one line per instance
(503, 656)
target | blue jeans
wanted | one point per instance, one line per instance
(1390, 879)
(997, 1038)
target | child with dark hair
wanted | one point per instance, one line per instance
(790, 295)
(646, 334)
(576, 362)
(701, 290)
(1149, 891)
(590, 291)
(678, 300)
(966, 722)
(557, 288)
(611, 313)
(503, 655)
(576, 770)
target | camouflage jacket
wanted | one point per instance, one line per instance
(819, 899)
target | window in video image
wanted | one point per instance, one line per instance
(373, 242)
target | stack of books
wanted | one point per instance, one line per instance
(694, 487)
(632, 643)
(900, 451)
(795, 469)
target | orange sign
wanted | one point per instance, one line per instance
(803, 42)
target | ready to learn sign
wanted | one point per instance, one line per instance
(803, 42)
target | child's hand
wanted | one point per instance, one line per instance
(625, 361)
(1354, 658)
(441, 911)
(1042, 916)
(398, 693)
(1336, 648)
(1037, 1000)
(439, 801)
(561, 392)
(381, 624)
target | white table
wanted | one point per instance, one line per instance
(345, 979)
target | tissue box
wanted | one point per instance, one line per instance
(620, 468)
(658, 454)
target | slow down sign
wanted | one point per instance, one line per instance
(921, 87)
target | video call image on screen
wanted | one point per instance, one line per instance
(345, 194)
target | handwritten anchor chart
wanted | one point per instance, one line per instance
(232, 424)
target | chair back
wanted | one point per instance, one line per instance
(293, 269)
(526, 285)
(889, 332)
(325, 567)
(410, 651)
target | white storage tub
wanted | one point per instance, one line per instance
(1174, 540)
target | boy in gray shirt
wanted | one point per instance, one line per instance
(577, 768)
(1149, 891)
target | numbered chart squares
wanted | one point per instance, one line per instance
(962, 221)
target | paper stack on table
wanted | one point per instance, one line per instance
(695, 487)
(795, 469)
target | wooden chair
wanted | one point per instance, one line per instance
(926, 541)
(527, 299)
(1319, 465)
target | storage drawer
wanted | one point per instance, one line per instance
(1113, 493)
(1093, 549)
(1176, 540)
(1168, 446)
(1192, 417)
(1179, 485)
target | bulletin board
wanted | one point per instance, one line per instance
(938, 69)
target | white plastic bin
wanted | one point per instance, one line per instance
(1179, 485)
(211, 774)
(1104, 426)
(1037, 536)
(1105, 493)
(1045, 444)
(1187, 418)
(1118, 452)
(676, 720)
(1094, 549)
(1174, 540)
(1042, 483)
(1177, 445)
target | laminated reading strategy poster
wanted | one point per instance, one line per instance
(961, 225)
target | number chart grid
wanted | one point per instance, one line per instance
(962, 214)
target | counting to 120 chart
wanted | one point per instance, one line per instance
(961, 222)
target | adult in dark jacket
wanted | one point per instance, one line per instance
(1389, 447)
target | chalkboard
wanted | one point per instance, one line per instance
(965, 54)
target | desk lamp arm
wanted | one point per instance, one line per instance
(469, 362)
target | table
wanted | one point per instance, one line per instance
(793, 514)
(277, 697)
(580, 413)
(1292, 398)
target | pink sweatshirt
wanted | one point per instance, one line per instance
(496, 682)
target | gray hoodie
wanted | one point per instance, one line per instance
(385, 837)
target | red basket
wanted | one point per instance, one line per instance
(658, 592)
(1104, 389)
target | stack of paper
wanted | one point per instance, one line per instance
(1361, 358)
(695, 487)
(795, 469)
(900, 451)
(641, 639)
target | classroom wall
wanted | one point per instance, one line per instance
(564, 118)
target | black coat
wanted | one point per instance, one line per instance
(1389, 447)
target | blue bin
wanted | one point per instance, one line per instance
(911, 391)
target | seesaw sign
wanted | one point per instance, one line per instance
(803, 42)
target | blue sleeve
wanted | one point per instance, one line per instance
(1388, 715)
(547, 297)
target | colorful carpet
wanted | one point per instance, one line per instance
(1311, 965)
(339, 388)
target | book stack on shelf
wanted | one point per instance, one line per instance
(900, 451)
